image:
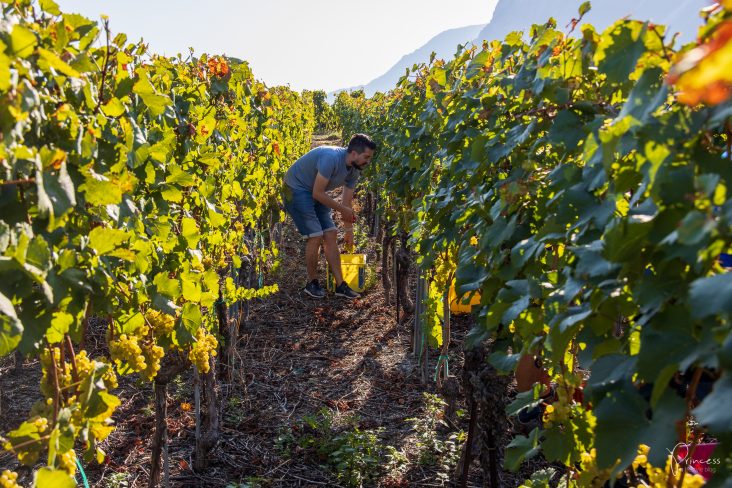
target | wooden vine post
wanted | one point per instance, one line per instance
(173, 365)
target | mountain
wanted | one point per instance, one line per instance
(512, 15)
(444, 45)
(680, 16)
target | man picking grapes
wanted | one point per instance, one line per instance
(323, 169)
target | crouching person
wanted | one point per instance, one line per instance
(305, 199)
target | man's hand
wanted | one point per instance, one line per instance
(348, 238)
(349, 216)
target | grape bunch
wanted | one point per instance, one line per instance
(161, 323)
(41, 423)
(669, 476)
(86, 366)
(141, 356)
(8, 479)
(559, 411)
(591, 475)
(67, 461)
(153, 354)
(68, 379)
(47, 387)
(204, 347)
(127, 353)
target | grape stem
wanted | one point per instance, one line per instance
(661, 38)
(30, 442)
(74, 370)
(56, 389)
(105, 69)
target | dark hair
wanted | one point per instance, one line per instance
(360, 142)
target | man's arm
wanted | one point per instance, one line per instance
(321, 182)
(347, 198)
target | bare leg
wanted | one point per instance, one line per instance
(333, 254)
(312, 252)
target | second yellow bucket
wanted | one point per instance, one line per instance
(457, 306)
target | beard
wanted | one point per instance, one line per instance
(359, 166)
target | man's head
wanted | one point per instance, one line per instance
(360, 150)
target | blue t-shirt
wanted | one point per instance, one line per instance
(329, 161)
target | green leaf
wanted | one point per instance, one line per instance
(661, 383)
(172, 194)
(57, 63)
(468, 276)
(191, 287)
(649, 93)
(4, 68)
(521, 448)
(25, 435)
(155, 103)
(477, 64)
(712, 413)
(567, 129)
(608, 372)
(164, 304)
(694, 228)
(205, 128)
(130, 324)
(710, 296)
(104, 241)
(101, 403)
(620, 47)
(191, 318)
(189, 230)
(56, 194)
(170, 287)
(625, 241)
(101, 191)
(11, 329)
(60, 325)
(114, 108)
(659, 435)
(584, 8)
(211, 280)
(620, 420)
(50, 6)
(22, 41)
(81, 62)
(556, 446)
(504, 362)
(526, 399)
(53, 478)
(179, 177)
(61, 438)
(215, 219)
(39, 255)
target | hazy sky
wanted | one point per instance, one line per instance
(326, 44)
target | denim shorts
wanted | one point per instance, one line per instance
(311, 217)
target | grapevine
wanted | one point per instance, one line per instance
(592, 170)
(129, 182)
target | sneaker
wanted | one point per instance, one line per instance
(314, 289)
(343, 290)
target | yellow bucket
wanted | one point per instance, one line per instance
(353, 267)
(457, 306)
